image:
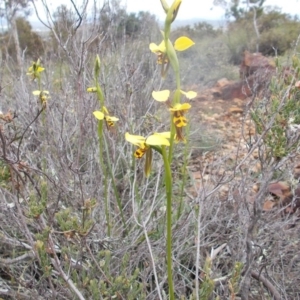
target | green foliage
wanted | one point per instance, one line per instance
(5, 176)
(132, 24)
(238, 9)
(44, 258)
(235, 279)
(278, 32)
(125, 285)
(114, 20)
(207, 286)
(64, 25)
(279, 113)
(28, 39)
(200, 29)
(38, 205)
(70, 223)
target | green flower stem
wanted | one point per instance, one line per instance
(177, 94)
(44, 161)
(104, 170)
(168, 183)
(100, 95)
(119, 203)
(171, 14)
(101, 147)
(176, 99)
(167, 30)
(170, 157)
(184, 179)
(177, 75)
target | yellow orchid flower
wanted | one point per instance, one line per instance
(43, 96)
(181, 107)
(181, 44)
(175, 7)
(91, 89)
(163, 96)
(35, 69)
(178, 110)
(160, 51)
(179, 120)
(104, 115)
(144, 146)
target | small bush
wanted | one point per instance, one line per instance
(278, 32)
(280, 110)
(30, 42)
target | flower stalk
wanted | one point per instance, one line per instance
(168, 184)
(103, 116)
(166, 54)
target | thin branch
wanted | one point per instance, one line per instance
(10, 261)
(153, 262)
(13, 242)
(23, 134)
(271, 288)
(78, 14)
(57, 264)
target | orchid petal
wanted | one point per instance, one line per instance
(157, 140)
(91, 90)
(105, 110)
(161, 48)
(189, 94)
(165, 134)
(161, 96)
(136, 140)
(111, 119)
(98, 115)
(181, 107)
(37, 93)
(183, 43)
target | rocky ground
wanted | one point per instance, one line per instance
(221, 135)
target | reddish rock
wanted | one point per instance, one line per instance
(235, 110)
(269, 205)
(253, 62)
(297, 171)
(238, 90)
(279, 189)
(285, 196)
(222, 82)
(256, 71)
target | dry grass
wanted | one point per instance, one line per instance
(50, 160)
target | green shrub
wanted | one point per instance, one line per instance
(279, 113)
(30, 41)
(278, 33)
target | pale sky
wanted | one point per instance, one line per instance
(203, 8)
(189, 9)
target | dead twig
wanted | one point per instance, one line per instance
(267, 284)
